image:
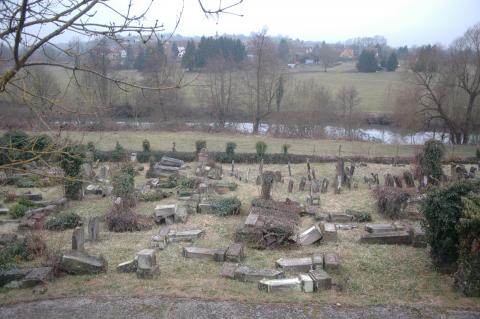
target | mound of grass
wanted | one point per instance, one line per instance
(62, 221)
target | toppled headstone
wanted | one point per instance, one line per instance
(78, 239)
(272, 285)
(128, 266)
(180, 215)
(329, 231)
(330, 261)
(164, 213)
(387, 238)
(228, 270)
(79, 263)
(309, 236)
(317, 260)
(94, 228)
(382, 228)
(170, 161)
(235, 252)
(248, 274)
(147, 267)
(7, 276)
(3, 210)
(302, 264)
(207, 253)
(93, 190)
(321, 279)
(34, 277)
(184, 235)
(339, 217)
(205, 208)
(307, 282)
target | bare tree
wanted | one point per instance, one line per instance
(262, 78)
(448, 84)
(348, 99)
(327, 56)
(221, 87)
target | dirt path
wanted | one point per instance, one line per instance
(166, 307)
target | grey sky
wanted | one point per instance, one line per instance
(402, 22)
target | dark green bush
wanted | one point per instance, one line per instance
(186, 183)
(261, 149)
(143, 157)
(226, 206)
(467, 277)
(91, 147)
(71, 161)
(431, 161)
(119, 153)
(17, 211)
(24, 182)
(359, 216)
(124, 187)
(230, 150)
(146, 146)
(13, 253)
(62, 221)
(199, 145)
(153, 196)
(26, 202)
(442, 210)
(285, 148)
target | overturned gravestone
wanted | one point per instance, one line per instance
(383, 228)
(128, 266)
(321, 279)
(329, 231)
(34, 277)
(272, 285)
(235, 252)
(387, 238)
(217, 254)
(248, 274)
(9, 275)
(170, 161)
(180, 215)
(160, 240)
(309, 236)
(93, 190)
(3, 210)
(164, 214)
(339, 217)
(184, 235)
(307, 283)
(80, 263)
(302, 264)
(228, 270)
(34, 219)
(330, 261)
(147, 267)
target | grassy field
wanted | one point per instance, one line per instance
(369, 274)
(185, 142)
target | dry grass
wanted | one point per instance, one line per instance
(369, 273)
(185, 142)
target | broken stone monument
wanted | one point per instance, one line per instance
(329, 231)
(78, 239)
(235, 252)
(94, 228)
(387, 238)
(321, 279)
(272, 285)
(307, 282)
(79, 263)
(330, 261)
(309, 236)
(248, 274)
(128, 266)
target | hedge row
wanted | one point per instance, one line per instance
(222, 157)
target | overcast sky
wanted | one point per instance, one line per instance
(402, 22)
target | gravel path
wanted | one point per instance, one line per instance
(166, 307)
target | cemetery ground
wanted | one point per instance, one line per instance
(369, 274)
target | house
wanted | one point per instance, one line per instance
(347, 54)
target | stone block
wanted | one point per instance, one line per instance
(251, 219)
(387, 238)
(205, 208)
(228, 270)
(181, 215)
(148, 273)
(321, 279)
(128, 266)
(147, 259)
(380, 228)
(317, 260)
(35, 276)
(199, 252)
(164, 211)
(309, 236)
(77, 263)
(330, 261)
(235, 252)
(3, 210)
(272, 285)
(302, 264)
(94, 228)
(78, 239)
(329, 231)
(339, 217)
(307, 282)
(247, 274)
(7, 276)
(219, 254)
(184, 235)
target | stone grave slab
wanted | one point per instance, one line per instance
(147, 267)
(329, 232)
(302, 264)
(235, 252)
(309, 236)
(77, 262)
(321, 279)
(331, 261)
(184, 235)
(247, 274)
(339, 217)
(387, 238)
(128, 266)
(272, 285)
(307, 282)
(228, 270)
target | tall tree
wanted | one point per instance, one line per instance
(327, 56)
(348, 99)
(174, 50)
(262, 77)
(188, 59)
(367, 61)
(280, 92)
(392, 62)
(284, 51)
